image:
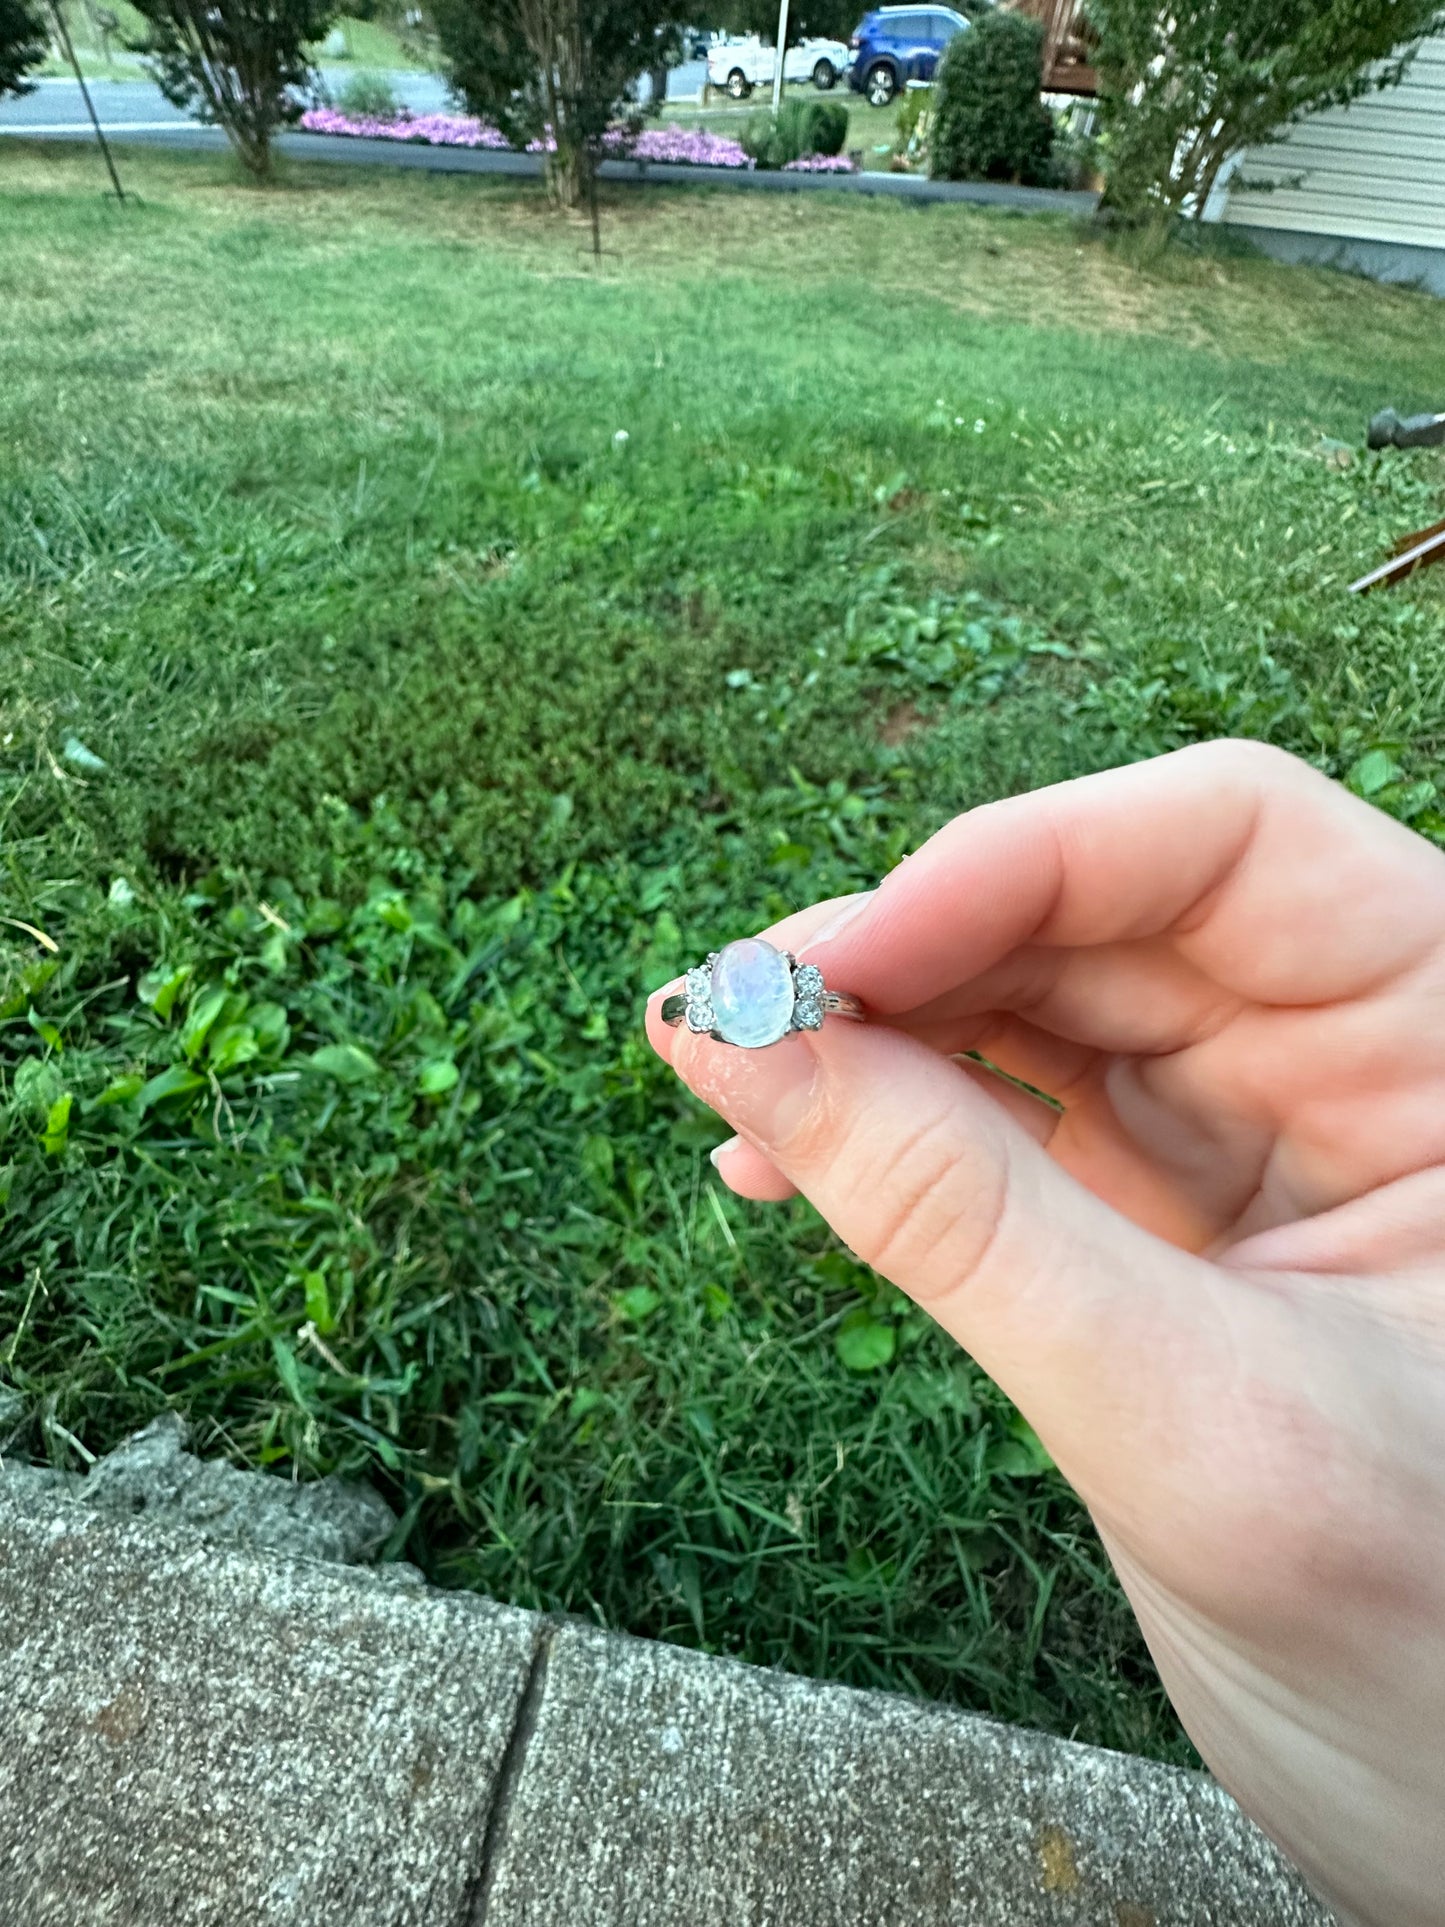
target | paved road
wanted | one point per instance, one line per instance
(139, 106)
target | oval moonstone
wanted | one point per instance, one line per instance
(752, 993)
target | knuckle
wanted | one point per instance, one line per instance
(931, 1227)
(1247, 759)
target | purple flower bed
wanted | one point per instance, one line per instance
(686, 146)
(433, 130)
(820, 164)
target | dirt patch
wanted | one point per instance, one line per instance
(901, 723)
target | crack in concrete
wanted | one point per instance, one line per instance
(509, 1774)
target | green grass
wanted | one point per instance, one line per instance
(376, 728)
(368, 44)
(373, 44)
(869, 128)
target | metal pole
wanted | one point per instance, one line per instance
(64, 33)
(782, 50)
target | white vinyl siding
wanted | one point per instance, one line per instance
(1372, 171)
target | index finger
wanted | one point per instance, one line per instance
(1274, 880)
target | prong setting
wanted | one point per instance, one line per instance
(807, 997)
(751, 994)
(698, 991)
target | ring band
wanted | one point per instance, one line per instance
(751, 994)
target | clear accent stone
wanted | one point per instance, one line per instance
(698, 991)
(808, 995)
(752, 993)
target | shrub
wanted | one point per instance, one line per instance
(1076, 161)
(553, 71)
(988, 120)
(369, 96)
(235, 63)
(912, 121)
(763, 140)
(799, 127)
(827, 127)
(1182, 91)
(22, 45)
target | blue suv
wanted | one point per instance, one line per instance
(898, 47)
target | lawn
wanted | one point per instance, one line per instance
(363, 44)
(872, 131)
(416, 643)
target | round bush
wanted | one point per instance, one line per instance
(989, 123)
(825, 127)
(369, 97)
(800, 127)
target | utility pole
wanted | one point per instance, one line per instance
(63, 34)
(782, 50)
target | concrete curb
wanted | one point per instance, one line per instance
(344, 150)
(198, 1734)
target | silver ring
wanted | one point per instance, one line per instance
(751, 994)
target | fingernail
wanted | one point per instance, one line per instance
(715, 1155)
(854, 907)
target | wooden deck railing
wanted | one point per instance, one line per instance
(1068, 46)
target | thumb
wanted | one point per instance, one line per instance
(1105, 1336)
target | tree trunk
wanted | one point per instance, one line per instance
(567, 172)
(569, 162)
(658, 77)
(252, 146)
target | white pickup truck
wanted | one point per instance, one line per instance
(740, 65)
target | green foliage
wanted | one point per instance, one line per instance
(368, 96)
(865, 1343)
(1075, 160)
(428, 730)
(988, 120)
(555, 70)
(911, 123)
(768, 140)
(23, 43)
(799, 127)
(1182, 91)
(823, 19)
(236, 63)
(825, 127)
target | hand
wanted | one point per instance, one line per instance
(1214, 1280)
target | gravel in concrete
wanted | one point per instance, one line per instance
(194, 1736)
(661, 1788)
(197, 1734)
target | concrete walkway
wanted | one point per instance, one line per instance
(198, 1731)
(476, 160)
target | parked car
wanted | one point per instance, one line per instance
(896, 47)
(741, 65)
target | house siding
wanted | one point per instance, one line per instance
(1373, 171)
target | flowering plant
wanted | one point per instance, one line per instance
(685, 146)
(435, 130)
